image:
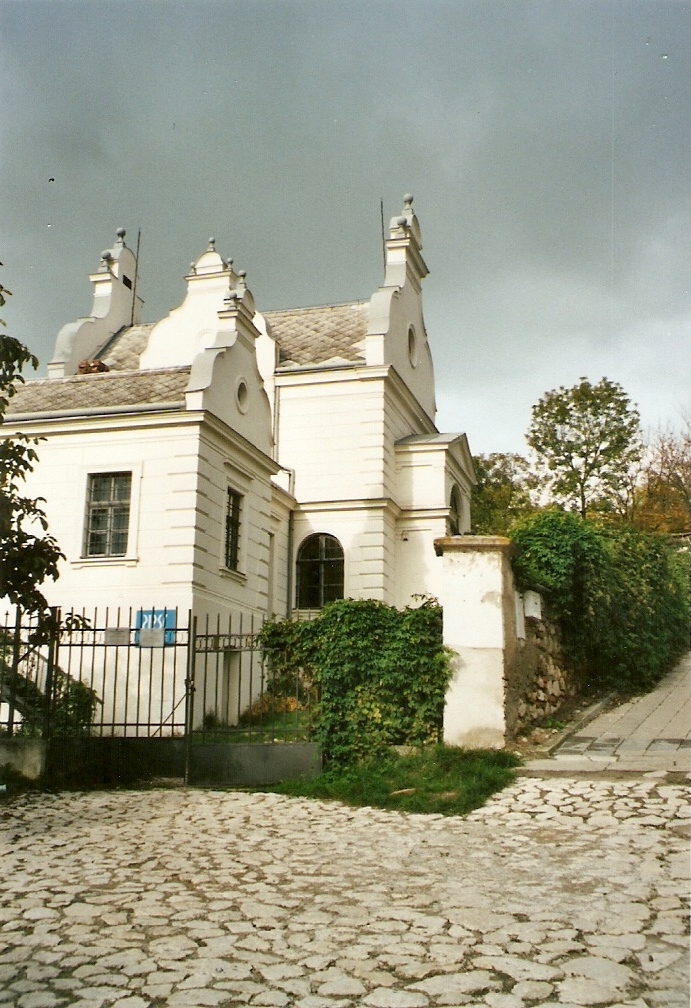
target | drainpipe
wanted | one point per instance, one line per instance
(291, 536)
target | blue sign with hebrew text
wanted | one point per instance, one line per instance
(154, 627)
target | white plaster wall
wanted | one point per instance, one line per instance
(114, 305)
(226, 382)
(331, 434)
(222, 464)
(193, 326)
(474, 606)
(418, 569)
(365, 533)
(168, 563)
(387, 342)
(421, 481)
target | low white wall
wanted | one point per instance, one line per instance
(479, 627)
(26, 756)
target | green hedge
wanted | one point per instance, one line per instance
(622, 595)
(382, 674)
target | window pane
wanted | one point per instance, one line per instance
(100, 488)
(121, 517)
(108, 514)
(320, 570)
(121, 487)
(232, 531)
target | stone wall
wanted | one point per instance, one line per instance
(538, 682)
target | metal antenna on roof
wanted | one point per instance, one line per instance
(383, 236)
(136, 274)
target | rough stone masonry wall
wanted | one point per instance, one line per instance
(538, 682)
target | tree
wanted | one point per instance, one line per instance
(503, 492)
(28, 553)
(664, 503)
(587, 445)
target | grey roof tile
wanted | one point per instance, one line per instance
(322, 334)
(101, 392)
(123, 350)
(306, 336)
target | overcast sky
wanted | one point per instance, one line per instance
(547, 144)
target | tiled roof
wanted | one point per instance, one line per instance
(331, 334)
(100, 392)
(125, 348)
(320, 335)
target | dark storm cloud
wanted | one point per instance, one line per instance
(547, 145)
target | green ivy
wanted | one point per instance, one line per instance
(622, 595)
(382, 674)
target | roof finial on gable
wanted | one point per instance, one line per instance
(406, 221)
(212, 245)
(121, 232)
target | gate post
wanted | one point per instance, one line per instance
(479, 625)
(14, 673)
(189, 690)
(51, 666)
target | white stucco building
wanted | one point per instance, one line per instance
(224, 460)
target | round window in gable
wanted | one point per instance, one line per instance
(412, 346)
(242, 395)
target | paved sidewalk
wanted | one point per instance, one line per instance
(649, 734)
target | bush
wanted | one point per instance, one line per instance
(382, 674)
(622, 595)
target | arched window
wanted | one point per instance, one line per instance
(455, 512)
(319, 571)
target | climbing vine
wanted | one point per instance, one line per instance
(382, 674)
(622, 595)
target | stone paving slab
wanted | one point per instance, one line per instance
(559, 892)
(648, 734)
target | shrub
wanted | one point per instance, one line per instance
(622, 595)
(382, 674)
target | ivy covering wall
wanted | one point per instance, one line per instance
(382, 674)
(621, 595)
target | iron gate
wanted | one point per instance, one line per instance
(126, 695)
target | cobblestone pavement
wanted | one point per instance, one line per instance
(560, 891)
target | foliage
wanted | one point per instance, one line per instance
(73, 706)
(586, 440)
(622, 595)
(28, 553)
(72, 703)
(503, 492)
(382, 674)
(664, 498)
(438, 779)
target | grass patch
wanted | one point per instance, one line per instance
(439, 779)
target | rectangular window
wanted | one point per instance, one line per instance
(108, 514)
(232, 542)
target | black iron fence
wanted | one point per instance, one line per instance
(146, 673)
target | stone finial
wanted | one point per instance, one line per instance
(212, 245)
(121, 232)
(409, 219)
